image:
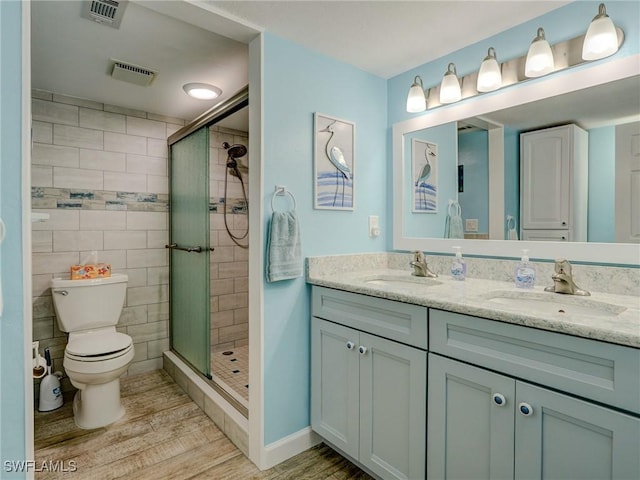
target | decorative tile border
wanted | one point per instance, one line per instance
(75, 199)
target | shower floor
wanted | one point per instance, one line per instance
(230, 370)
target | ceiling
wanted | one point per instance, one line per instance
(387, 38)
(70, 54)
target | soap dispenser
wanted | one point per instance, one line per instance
(525, 274)
(459, 266)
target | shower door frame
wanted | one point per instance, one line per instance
(212, 116)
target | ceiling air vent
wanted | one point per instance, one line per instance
(127, 72)
(107, 12)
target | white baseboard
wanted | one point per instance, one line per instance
(289, 446)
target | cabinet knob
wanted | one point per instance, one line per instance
(563, 238)
(525, 409)
(362, 350)
(350, 345)
(499, 400)
(564, 223)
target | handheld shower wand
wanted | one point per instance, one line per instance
(233, 153)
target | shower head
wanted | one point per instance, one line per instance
(235, 151)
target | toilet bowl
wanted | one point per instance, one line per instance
(96, 354)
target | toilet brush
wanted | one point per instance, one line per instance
(50, 391)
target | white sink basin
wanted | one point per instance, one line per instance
(553, 303)
(401, 281)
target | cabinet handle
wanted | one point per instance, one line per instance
(499, 399)
(350, 345)
(525, 409)
(362, 350)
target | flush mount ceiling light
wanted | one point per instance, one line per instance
(489, 77)
(539, 58)
(450, 87)
(601, 39)
(416, 100)
(202, 91)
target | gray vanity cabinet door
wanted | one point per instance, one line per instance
(567, 438)
(393, 390)
(335, 384)
(470, 422)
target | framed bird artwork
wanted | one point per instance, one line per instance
(424, 158)
(334, 163)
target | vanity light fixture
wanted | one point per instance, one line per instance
(539, 58)
(601, 39)
(450, 87)
(202, 91)
(489, 76)
(416, 99)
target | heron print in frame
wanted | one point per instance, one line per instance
(424, 157)
(334, 163)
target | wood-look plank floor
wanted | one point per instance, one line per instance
(164, 435)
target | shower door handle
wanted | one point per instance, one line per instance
(175, 246)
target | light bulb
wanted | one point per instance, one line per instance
(450, 86)
(416, 101)
(489, 77)
(601, 39)
(539, 57)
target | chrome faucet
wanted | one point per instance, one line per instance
(563, 280)
(419, 264)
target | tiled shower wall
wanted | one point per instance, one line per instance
(229, 262)
(100, 172)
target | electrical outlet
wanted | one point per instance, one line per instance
(471, 225)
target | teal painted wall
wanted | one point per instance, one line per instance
(473, 153)
(12, 406)
(602, 183)
(297, 83)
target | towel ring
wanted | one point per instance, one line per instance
(279, 192)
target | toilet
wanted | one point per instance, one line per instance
(96, 354)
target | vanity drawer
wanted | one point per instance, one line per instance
(596, 370)
(398, 321)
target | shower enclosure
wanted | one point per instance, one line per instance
(209, 248)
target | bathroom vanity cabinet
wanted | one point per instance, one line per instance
(368, 390)
(553, 184)
(503, 400)
(507, 401)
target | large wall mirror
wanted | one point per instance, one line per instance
(471, 154)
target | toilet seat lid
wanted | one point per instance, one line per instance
(97, 343)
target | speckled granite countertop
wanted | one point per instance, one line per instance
(617, 319)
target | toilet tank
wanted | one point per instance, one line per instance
(88, 304)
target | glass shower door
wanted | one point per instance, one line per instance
(189, 257)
